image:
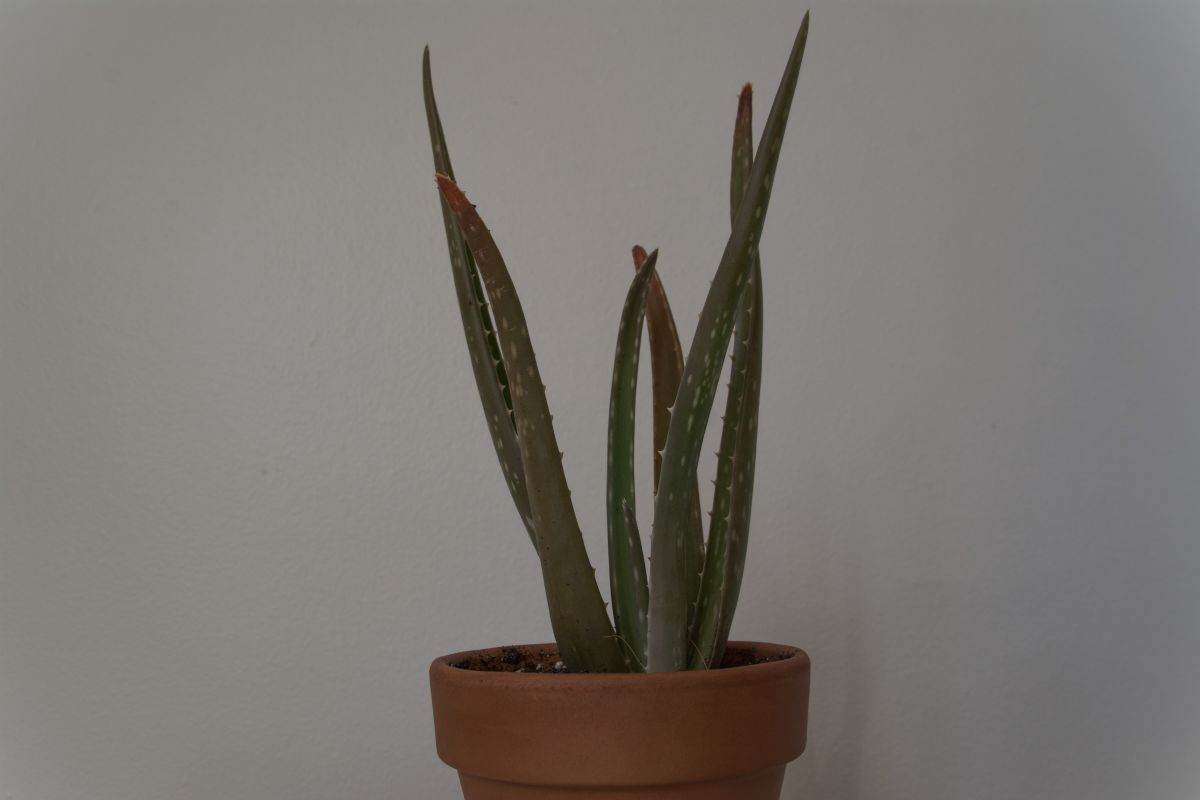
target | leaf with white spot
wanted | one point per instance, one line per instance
(626, 561)
(719, 589)
(487, 362)
(744, 455)
(669, 611)
(578, 616)
(666, 371)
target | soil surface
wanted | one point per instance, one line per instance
(512, 659)
(745, 658)
(546, 661)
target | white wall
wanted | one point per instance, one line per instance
(246, 493)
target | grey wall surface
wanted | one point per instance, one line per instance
(246, 492)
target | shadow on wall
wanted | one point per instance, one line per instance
(844, 683)
(843, 686)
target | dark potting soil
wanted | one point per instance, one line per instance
(746, 658)
(546, 661)
(512, 659)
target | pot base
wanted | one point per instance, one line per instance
(764, 785)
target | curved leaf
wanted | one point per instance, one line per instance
(668, 632)
(626, 562)
(744, 456)
(582, 629)
(717, 583)
(666, 370)
(487, 362)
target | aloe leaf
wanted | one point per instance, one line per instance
(582, 629)
(744, 456)
(636, 656)
(734, 488)
(666, 357)
(666, 370)
(742, 161)
(706, 649)
(631, 629)
(487, 362)
(743, 403)
(668, 634)
(626, 562)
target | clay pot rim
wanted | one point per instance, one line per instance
(795, 660)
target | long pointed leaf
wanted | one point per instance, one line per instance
(742, 161)
(666, 357)
(487, 362)
(744, 456)
(747, 367)
(706, 649)
(666, 371)
(626, 561)
(636, 657)
(582, 629)
(734, 488)
(668, 596)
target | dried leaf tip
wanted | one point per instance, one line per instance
(454, 195)
(639, 256)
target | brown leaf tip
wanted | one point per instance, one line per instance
(454, 195)
(744, 101)
(639, 256)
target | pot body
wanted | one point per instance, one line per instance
(723, 734)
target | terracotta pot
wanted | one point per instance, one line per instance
(724, 734)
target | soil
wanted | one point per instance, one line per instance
(546, 661)
(746, 658)
(512, 659)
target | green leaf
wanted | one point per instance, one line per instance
(666, 357)
(626, 562)
(487, 362)
(718, 579)
(742, 161)
(668, 632)
(744, 455)
(666, 371)
(635, 651)
(734, 490)
(582, 629)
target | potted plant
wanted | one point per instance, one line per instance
(654, 702)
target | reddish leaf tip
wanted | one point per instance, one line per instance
(639, 256)
(744, 102)
(454, 195)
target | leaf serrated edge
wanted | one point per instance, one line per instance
(706, 649)
(666, 371)
(668, 633)
(487, 362)
(627, 562)
(582, 629)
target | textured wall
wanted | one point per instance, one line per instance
(245, 490)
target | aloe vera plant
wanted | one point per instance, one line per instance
(679, 615)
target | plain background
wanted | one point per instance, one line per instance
(246, 490)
